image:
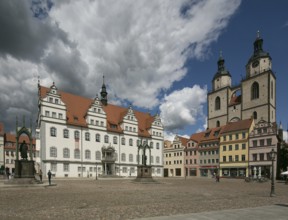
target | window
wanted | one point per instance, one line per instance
(151, 159)
(98, 155)
(262, 156)
(230, 158)
(47, 113)
(269, 141)
(53, 132)
(151, 144)
(243, 158)
(76, 134)
(56, 101)
(77, 154)
(50, 99)
(66, 133)
(92, 122)
(255, 115)
(60, 115)
(157, 145)
(217, 125)
(272, 88)
(230, 137)
(97, 137)
(53, 114)
(87, 136)
(243, 135)
(224, 148)
(224, 138)
(254, 157)
(66, 167)
(224, 158)
(102, 123)
(217, 103)
(158, 159)
(243, 146)
(123, 141)
(254, 143)
(237, 136)
(130, 157)
(261, 142)
(66, 153)
(236, 158)
(53, 167)
(114, 140)
(255, 91)
(230, 147)
(53, 152)
(130, 142)
(106, 139)
(87, 154)
(236, 147)
(123, 157)
(124, 169)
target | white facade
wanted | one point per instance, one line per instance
(69, 149)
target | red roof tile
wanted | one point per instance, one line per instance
(237, 126)
(77, 107)
(1, 129)
(235, 100)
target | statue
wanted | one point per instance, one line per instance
(23, 150)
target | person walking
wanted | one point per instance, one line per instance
(49, 176)
(40, 175)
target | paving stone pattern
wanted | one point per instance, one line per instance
(124, 199)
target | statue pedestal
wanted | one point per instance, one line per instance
(144, 171)
(24, 169)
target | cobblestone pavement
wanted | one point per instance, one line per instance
(124, 199)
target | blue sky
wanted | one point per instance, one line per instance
(160, 56)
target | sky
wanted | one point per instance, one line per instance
(159, 56)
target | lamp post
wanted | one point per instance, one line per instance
(272, 157)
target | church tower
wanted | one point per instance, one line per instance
(259, 86)
(219, 96)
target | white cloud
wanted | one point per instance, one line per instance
(183, 107)
(141, 46)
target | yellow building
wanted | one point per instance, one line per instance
(174, 157)
(234, 145)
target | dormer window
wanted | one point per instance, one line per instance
(51, 100)
(56, 101)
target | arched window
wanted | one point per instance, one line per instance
(66, 153)
(123, 141)
(157, 146)
(98, 155)
(130, 157)
(76, 154)
(255, 91)
(53, 152)
(53, 132)
(218, 124)
(255, 115)
(123, 157)
(66, 133)
(114, 140)
(106, 139)
(97, 137)
(87, 136)
(130, 142)
(87, 154)
(76, 134)
(151, 144)
(217, 103)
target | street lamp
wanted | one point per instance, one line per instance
(272, 157)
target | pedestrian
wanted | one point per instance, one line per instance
(49, 176)
(217, 178)
(40, 175)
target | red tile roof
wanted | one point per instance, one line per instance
(77, 107)
(235, 100)
(237, 126)
(1, 129)
(183, 140)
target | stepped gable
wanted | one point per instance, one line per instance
(77, 107)
(237, 126)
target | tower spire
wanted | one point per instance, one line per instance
(104, 93)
